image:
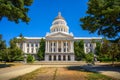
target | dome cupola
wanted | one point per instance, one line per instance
(59, 24)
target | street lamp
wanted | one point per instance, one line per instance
(25, 58)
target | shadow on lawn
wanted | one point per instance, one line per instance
(94, 68)
(6, 65)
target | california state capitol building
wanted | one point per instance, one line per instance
(59, 42)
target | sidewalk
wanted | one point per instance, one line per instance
(104, 69)
(8, 73)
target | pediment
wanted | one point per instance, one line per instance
(59, 35)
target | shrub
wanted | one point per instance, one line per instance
(30, 58)
(89, 57)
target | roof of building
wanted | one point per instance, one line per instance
(74, 38)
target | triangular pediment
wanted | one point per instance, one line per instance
(60, 35)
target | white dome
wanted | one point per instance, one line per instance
(59, 24)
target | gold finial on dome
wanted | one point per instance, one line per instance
(59, 16)
(59, 13)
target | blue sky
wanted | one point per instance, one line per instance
(42, 13)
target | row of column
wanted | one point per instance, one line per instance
(48, 46)
(59, 57)
(25, 48)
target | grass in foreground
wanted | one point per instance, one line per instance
(98, 76)
(42, 73)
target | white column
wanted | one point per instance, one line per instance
(70, 46)
(66, 57)
(29, 47)
(66, 46)
(46, 58)
(48, 47)
(57, 47)
(34, 49)
(52, 46)
(25, 48)
(56, 57)
(72, 58)
(62, 46)
(61, 57)
(46, 50)
(72, 49)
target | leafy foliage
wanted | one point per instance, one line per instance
(89, 57)
(103, 17)
(15, 10)
(41, 50)
(2, 48)
(30, 58)
(109, 51)
(79, 50)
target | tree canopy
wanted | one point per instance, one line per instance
(41, 50)
(103, 17)
(15, 10)
(79, 50)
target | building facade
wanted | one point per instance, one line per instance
(59, 42)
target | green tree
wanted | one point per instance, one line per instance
(2, 48)
(41, 50)
(103, 17)
(79, 50)
(16, 53)
(15, 10)
(89, 57)
(98, 48)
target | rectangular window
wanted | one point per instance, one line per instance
(27, 44)
(90, 45)
(51, 44)
(36, 45)
(32, 45)
(54, 44)
(36, 49)
(64, 44)
(27, 50)
(54, 49)
(32, 50)
(64, 50)
(86, 45)
(51, 49)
